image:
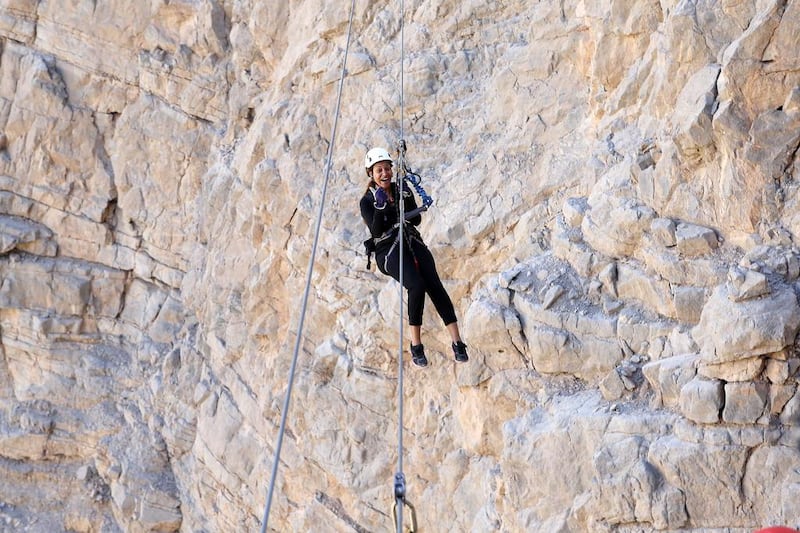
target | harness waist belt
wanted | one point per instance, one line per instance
(412, 232)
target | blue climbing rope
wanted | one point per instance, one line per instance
(416, 181)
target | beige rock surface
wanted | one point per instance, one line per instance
(615, 217)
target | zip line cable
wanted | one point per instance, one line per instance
(399, 477)
(298, 340)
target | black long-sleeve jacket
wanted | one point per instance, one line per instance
(382, 223)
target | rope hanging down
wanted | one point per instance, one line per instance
(399, 478)
(293, 368)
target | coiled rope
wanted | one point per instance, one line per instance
(416, 181)
(298, 340)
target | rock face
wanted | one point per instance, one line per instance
(615, 218)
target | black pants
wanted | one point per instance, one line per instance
(419, 277)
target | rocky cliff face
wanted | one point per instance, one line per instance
(616, 211)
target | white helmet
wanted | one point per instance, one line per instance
(375, 155)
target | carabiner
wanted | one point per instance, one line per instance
(413, 526)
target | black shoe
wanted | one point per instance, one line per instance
(418, 355)
(460, 351)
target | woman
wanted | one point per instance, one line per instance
(381, 211)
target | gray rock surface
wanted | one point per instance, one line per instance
(615, 218)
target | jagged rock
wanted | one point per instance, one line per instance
(664, 231)
(769, 466)
(574, 210)
(738, 370)
(159, 181)
(694, 112)
(561, 341)
(495, 328)
(612, 387)
(615, 226)
(611, 305)
(648, 156)
(779, 395)
(747, 284)
(550, 295)
(693, 240)
(791, 411)
(689, 303)
(636, 332)
(157, 513)
(677, 460)
(608, 277)
(701, 400)
(729, 331)
(668, 376)
(777, 371)
(781, 260)
(744, 402)
(180, 435)
(635, 285)
(122, 498)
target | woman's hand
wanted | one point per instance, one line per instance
(380, 198)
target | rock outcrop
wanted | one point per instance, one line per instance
(615, 218)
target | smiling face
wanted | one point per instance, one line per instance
(382, 174)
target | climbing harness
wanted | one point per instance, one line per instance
(406, 236)
(298, 339)
(369, 249)
(370, 244)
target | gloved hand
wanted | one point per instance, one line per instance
(380, 198)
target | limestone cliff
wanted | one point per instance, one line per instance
(615, 217)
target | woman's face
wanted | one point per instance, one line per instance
(382, 174)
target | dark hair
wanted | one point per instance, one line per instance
(370, 184)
